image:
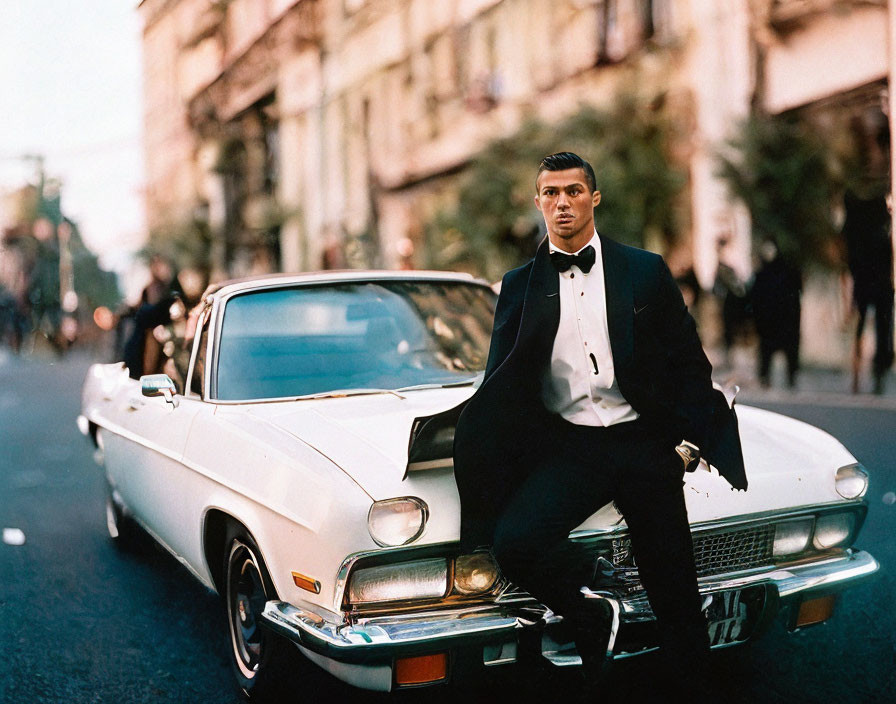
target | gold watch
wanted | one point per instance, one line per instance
(690, 455)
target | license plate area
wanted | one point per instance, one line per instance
(732, 615)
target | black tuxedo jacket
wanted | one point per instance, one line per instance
(660, 367)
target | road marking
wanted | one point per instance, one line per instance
(13, 536)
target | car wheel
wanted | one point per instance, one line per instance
(258, 656)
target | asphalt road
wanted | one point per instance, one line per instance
(82, 622)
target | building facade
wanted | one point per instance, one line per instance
(325, 133)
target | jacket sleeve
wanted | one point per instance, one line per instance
(695, 399)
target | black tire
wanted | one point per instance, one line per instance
(259, 658)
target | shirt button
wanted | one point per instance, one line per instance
(572, 275)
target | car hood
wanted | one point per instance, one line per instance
(367, 436)
(789, 463)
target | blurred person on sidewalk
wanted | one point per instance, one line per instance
(775, 299)
(869, 254)
(731, 291)
(142, 351)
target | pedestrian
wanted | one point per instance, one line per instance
(595, 376)
(731, 291)
(869, 253)
(12, 320)
(142, 352)
(775, 300)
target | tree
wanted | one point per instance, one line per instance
(784, 174)
(494, 224)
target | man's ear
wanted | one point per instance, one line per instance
(537, 202)
(595, 199)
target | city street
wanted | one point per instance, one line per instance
(83, 622)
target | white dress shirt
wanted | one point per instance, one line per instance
(580, 384)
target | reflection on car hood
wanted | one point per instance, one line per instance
(367, 436)
(789, 463)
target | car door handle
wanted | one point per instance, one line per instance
(135, 404)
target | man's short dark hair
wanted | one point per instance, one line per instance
(567, 160)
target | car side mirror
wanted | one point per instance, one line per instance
(153, 385)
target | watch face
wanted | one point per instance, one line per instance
(687, 452)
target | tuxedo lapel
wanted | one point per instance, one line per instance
(620, 302)
(541, 307)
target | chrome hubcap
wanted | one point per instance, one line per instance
(247, 599)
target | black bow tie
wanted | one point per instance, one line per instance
(584, 259)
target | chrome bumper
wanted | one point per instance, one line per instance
(383, 636)
(799, 580)
(378, 639)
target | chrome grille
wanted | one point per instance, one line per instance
(727, 551)
(715, 552)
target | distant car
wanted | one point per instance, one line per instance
(303, 470)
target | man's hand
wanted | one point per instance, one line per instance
(690, 455)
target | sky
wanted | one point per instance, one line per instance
(70, 89)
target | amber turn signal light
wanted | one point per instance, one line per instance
(307, 583)
(815, 611)
(422, 669)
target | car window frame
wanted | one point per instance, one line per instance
(220, 301)
(201, 336)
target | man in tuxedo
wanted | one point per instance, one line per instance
(594, 379)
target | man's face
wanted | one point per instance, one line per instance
(567, 204)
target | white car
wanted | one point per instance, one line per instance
(303, 471)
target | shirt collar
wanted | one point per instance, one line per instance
(594, 242)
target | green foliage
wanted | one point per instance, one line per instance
(494, 225)
(95, 286)
(187, 244)
(783, 173)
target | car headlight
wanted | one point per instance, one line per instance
(474, 574)
(851, 481)
(421, 579)
(397, 521)
(792, 537)
(833, 529)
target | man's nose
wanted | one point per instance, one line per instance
(562, 201)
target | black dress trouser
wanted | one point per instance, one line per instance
(582, 469)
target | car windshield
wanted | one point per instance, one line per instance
(288, 342)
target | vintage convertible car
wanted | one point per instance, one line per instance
(302, 468)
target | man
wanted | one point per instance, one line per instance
(595, 374)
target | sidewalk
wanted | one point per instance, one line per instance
(815, 385)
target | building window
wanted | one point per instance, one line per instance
(485, 86)
(656, 19)
(625, 25)
(610, 38)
